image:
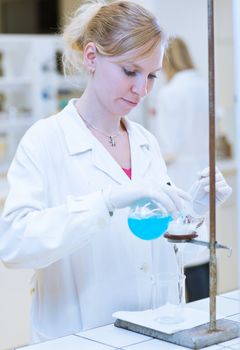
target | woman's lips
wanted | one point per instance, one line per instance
(130, 103)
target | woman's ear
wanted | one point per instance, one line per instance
(89, 57)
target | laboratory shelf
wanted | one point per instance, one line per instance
(32, 85)
(14, 82)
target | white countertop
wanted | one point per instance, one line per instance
(109, 337)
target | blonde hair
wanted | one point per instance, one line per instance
(177, 57)
(116, 28)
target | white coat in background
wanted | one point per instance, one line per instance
(88, 264)
(181, 126)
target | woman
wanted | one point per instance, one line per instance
(75, 173)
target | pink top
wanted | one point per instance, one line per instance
(128, 172)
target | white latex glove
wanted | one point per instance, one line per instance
(200, 191)
(169, 199)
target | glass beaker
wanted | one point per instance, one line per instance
(168, 297)
(147, 221)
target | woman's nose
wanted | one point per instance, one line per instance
(140, 87)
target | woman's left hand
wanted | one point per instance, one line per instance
(201, 188)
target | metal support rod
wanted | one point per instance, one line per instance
(211, 79)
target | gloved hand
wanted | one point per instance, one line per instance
(200, 191)
(169, 199)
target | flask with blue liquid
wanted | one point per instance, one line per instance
(147, 221)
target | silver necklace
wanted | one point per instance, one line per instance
(111, 138)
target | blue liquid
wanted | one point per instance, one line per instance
(149, 228)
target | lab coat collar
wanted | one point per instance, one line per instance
(75, 131)
(141, 156)
(79, 139)
(141, 153)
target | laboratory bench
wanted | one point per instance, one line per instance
(109, 337)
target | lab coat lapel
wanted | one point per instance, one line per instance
(141, 160)
(103, 160)
(141, 155)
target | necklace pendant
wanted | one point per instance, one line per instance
(112, 141)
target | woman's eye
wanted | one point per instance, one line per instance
(129, 73)
(152, 76)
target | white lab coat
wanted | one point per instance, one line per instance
(88, 264)
(181, 126)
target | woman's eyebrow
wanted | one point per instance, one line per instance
(135, 65)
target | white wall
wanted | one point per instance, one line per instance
(224, 54)
(15, 303)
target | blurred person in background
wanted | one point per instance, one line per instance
(181, 127)
(181, 119)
